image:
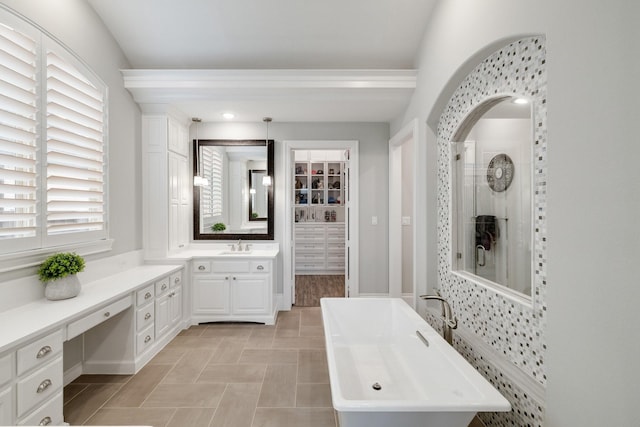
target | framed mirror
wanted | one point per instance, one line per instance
(233, 189)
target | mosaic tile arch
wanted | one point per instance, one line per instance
(512, 329)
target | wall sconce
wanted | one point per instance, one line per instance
(266, 180)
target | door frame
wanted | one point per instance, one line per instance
(408, 133)
(352, 252)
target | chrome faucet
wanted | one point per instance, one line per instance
(449, 323)
(239, 245)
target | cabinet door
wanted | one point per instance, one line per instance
(250, 293)
(6, 406)
(175, 305)
(162, 315)
(211, 295)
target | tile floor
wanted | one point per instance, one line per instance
(219, 375)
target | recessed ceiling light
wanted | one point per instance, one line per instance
(521, 101)
(228, 116)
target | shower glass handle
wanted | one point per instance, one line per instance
(480, 250)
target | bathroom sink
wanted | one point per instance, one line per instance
(227, 252)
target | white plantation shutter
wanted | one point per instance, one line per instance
(74, 150)
(52, 144)
(18, 137)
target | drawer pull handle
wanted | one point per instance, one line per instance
(172, 294)
(44, 385)
(260, 267)
(45, 421)
(164, 287)
(107, 314)
(147, 295)
(226, 278)
(43, 352)
(234, 278)
(201, 267)
(147, 339)
(176, 280)
(147, 316)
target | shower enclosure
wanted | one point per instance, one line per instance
(493, 178)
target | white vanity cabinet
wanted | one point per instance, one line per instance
(34, 395)
(168, 303)
(233, 289)
(6, 389)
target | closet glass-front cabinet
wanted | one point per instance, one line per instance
(319, 212)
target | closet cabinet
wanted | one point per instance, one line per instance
(319, 231)
(234, 290)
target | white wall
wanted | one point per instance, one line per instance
(374, 181)
(594, 184)
(76, 25)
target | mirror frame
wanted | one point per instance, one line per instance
(270, 193)
(250, 218)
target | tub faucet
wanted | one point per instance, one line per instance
(449, 322)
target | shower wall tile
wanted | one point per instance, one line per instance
(514, 330)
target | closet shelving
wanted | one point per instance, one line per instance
(319, 216)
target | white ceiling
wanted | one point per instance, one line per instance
(270, 35)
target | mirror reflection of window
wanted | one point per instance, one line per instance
(258, 195)
(493, 181)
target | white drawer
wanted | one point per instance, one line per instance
(145, 295)
(144, 339)
(307, 266)
(310, 247)
(175, 279)
(335, 246)
(39, 352)
(335, 230)
(145, 316)
(6, 368)
(79, 326)
(230, 266)
(39, 386)
(48, 414)
(309, 257)
(162, 286)
(201, 266)
(260, 266)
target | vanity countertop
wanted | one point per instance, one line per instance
(221, 250)
(27, 321)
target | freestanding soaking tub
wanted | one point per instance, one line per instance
(388, 367)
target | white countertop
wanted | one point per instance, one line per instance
(222, 250)
(30, 320)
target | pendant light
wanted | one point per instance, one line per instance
(266, 179)
(198, 180)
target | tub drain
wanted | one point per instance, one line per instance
(376, 386)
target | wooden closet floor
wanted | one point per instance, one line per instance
(310, 288)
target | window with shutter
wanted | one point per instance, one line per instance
(211, 197)
(52, 142)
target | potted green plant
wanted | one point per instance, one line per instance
(218, 226)
(58, 273)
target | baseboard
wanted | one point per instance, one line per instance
(72, 373)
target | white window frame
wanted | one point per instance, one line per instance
(17, 253)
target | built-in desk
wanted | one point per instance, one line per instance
(126, 318)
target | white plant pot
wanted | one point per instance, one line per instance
(64, 288)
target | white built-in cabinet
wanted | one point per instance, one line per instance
(165, 164)
(233, 290)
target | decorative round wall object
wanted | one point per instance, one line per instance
(500, 172)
